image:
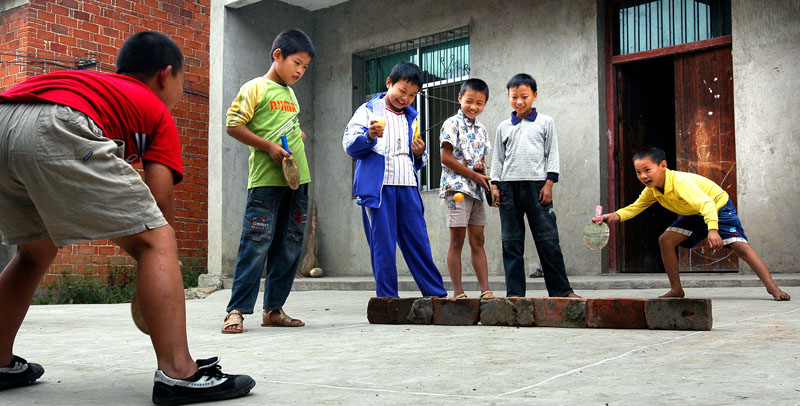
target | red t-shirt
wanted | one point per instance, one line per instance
(123, 107)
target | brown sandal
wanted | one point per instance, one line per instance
(487, 294)
(233, 323)
(461, 295)
(283, 319)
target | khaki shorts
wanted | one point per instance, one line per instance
(60, 178)
(468, 211)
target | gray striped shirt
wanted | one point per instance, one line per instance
(526, 151)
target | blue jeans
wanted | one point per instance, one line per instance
(517, 200)
(272, 237)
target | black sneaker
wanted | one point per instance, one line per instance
(208, 383)
(19, 373)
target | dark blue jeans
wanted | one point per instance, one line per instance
(272, 237)
(518, 200)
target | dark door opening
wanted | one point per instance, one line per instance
(646, 116)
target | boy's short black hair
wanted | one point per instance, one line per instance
(292, 41)
(145, 53)
(521, 79)
(656, 154)
(407, 71)
(476, 85)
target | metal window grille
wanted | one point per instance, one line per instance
(651, 24)
(444, 60)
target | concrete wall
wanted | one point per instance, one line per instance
(555, 41)
(241, 40)
(766, 69)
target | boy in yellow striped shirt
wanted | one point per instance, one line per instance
(706, 213)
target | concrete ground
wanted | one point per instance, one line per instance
(93, 355)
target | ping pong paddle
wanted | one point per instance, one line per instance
(136, 314)
(290, 171)
(595, 235)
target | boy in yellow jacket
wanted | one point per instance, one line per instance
(706, 213)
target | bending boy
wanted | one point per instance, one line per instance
(65, 142)
(706, 213)
(385, 183)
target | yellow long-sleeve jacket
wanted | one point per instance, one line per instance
(684, 193)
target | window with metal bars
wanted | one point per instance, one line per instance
(444, 60)
(643, 25)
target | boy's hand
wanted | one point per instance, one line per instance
(418, 146)
(375, 130)
(546, 194)
(478, 167)
(496, 195)
(276, 152)
(714, 240)
(610, 218)
(482, 180)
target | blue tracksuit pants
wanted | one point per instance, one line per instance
(400, 220)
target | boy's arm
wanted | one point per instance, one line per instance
(247, 137)
(356, 141)
(700, 201)
(418, 145)
(498, 156)
(551, 164)
(645, 200)
(158, 177)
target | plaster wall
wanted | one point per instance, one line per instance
(766, 68)
(555, 41)
(241, 40)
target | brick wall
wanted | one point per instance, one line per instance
(49, 35)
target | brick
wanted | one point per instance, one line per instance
(615, 313)
(456, 312)
(559, 312)
(497, 312)
(678, 314)
(523, 311)
(400, 309)
(378, 310)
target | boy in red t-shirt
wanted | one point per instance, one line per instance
(66, 141)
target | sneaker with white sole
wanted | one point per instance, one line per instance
(19, 373)
(208, 383)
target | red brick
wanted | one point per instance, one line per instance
(559, 312)
(678, 314)
(497, 312)
(378, 310)
(615, 313)
(456, 312)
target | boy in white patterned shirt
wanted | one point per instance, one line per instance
(464, 146)
(385, 183)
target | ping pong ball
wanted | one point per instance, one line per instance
(458, 197)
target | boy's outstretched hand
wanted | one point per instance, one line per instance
(610, 218)
(418, 146)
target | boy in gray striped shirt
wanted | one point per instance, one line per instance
(524, 169)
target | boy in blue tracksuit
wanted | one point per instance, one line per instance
(383, 138)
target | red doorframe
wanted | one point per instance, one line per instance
(611, 62)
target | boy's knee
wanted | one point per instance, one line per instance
(668, 239)
(40, 252)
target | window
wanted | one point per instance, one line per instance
(643, 25)
(444, 60)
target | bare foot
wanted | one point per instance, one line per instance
(779, 295)
(673, 293)
(574, 295)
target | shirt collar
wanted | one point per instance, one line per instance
(669, 179)
(461, 116)
(530, 117)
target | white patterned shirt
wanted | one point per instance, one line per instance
(471, 145)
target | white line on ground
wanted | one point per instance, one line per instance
(625, 354)
(441, 395)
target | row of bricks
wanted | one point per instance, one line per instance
(657, 314)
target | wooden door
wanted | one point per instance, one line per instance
(705, 142)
